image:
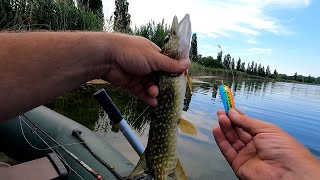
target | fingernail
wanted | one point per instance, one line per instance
(220, 112)
(185, 62)
(233, 112)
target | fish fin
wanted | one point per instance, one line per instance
(178, 173)
(189, 81)
(187, 127)
(175, 26)
(140, 168)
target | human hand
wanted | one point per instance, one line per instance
(260, 150)
(132, 59)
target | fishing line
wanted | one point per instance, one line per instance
(42, 149)
(226, 66)
(221, 81)
(194, 63)
(141, 114)
(83, 164)
(60, 157)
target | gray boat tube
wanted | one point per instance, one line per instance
(114, 114)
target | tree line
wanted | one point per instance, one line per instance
(252, 68)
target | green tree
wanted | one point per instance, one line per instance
(239, 64)
(232, 64)
(268, 71)
(310, 79)
(194, 48)
(248, 69)
(301, 78)
(96, 7)
(93, 5)
(275, 72)
(255, 69)
(82, 3)
(243, 67)
(227, 61)
(219, 57)
(252, 68)
(259, 71)
(122, 18)
(155, 32)
(207, 61)
(295, 77)
(210, 62)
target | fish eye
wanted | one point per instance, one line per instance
(166, 39)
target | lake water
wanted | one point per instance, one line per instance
(293, 107)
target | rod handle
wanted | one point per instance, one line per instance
(108, 106)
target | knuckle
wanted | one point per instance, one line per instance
(244, 118)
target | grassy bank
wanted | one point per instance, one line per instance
(35, 15)
(200, 70)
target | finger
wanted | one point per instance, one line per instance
(154, 46)
(164, 63)
(250, 125)
(221, 112)
(153, 91)
(243, 136)
(225, 147)
(229, 133)
(240, 112)
(150, 87)
(141, 93)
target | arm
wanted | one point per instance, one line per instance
(38, 67)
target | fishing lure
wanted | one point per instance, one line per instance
(227, 98)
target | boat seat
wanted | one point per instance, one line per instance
(49, 167)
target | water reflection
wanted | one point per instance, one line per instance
(293, 107)
(187, 100)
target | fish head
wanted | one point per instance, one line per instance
(177, 42)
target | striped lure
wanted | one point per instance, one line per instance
(227, 98)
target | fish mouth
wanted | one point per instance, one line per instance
(184, 34)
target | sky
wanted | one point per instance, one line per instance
(284, 34)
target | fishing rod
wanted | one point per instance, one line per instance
(114, 114)
(83, 164)
(77, 134)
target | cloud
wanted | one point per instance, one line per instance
(212, 18)
(211, 49)
(252, 41)
(260, 50)
(288, 3)
(207, 35)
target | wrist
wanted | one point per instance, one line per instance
(100, 44)
(113, 44)
(311, 170)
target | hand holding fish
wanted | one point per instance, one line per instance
(260, 150)
(133, 59)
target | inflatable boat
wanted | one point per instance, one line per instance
(47, 145)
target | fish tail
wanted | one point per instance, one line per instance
(140, 168)
(178, 173)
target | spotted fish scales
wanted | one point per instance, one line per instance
(160, 158)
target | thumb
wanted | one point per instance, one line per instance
(250, 125)
(169, 65)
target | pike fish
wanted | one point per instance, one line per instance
(160, 158)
